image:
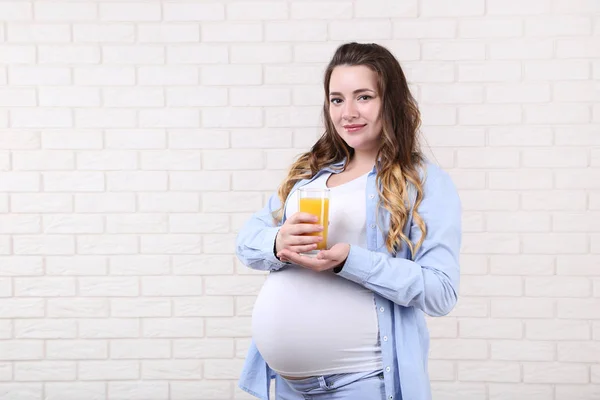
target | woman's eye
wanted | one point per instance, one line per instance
(365, 97)
(336, 101)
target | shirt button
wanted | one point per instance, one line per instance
(385, 338)
(381, 309)
(372, 226)
(387, 369)
(371, 196)
(391, 397)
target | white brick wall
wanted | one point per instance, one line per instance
(136, 137)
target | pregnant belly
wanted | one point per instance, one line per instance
(306, 323)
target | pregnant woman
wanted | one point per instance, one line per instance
(349, 323)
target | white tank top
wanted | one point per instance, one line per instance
(308, 323)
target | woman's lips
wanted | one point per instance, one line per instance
(353, 128)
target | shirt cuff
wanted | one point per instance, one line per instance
(357, 265)
(268, 246)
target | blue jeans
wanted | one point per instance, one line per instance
(354, 386)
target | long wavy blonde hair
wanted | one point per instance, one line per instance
(399, 154)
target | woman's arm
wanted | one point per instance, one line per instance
(255, 241)
(431, 281)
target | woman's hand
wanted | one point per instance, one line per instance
(325, 259)
(292, 234)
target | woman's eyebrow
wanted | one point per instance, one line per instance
(355, 92)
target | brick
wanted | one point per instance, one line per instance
(171, 160)
(17, 54)
(76, 349)
(440, 370)
(385, 9)
(518, 222)
(203, 265)
(72, 139)
(578, 308)
(232, 32)
(519, 136)
(41, 118)
(232, 75)
(471, 307)
(172, 286)
(109, 328)
(521, 93)
(172, 370)
(44, 287)
(38, 75)
(459, 349)
(137, 181)
(522, 308)
(457, 391)
(108, 370)
(77, 308)
(569, 113)
(583, 265)
(79, 54)
(169, 118)
(142, 307)
(496, 71)
(173, 327)
(21, 350)
(139, 54)
(105, 118)
(198, 139)
(104, 75)
(108, 286)
(489, 200)
(107, 244)
(307, 96)
(142, 390)
(559, 200)
(429, 72)
(479, 328)
(21, 266)
(41, 202)
(451, 94)
(106, 160)
(130, 12)
(73, 181)
(231, 202)
(233, 159)
(136, 223)
(104, 33)
(257, 10)
(300, 75)
(228, 327)
(156, 75)
(135, 139)
(64, 11)
(522, 49)
(522, 350)
(490, 371)
(49, 244)
(20, 223)
(179, 11)
(45, 371)
(523, 179)
(514, 7)
(490, 114)
(576, 222)
(210, 306)
(522, 265)
(577, 48)
(296, 31)
(171, 244)
(75, 265)
(223, 369)
(490, 28)
(68, 97)
(577, 392)
(555, 373)
(554, 243)
(443, 51)
(491, 286)
(133, 97)
(487, 158)
(139, 265)
(104, 202)
(199, 223)
(260, 180)
(440, 8)
(261, 53)
(194, 181)
(492, 243)
(203, 389)
(75, 391)
(139, 349)
(557, 287)
(198, 54)
(510, 391)
(556, 70)
(16, 11)
(44, 329)
(579, 351)
(15, 140)
(233, 285)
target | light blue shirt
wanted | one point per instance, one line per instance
(404, 290)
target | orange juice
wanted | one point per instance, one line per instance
(318, 207)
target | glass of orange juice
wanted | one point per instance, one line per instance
(316, 202)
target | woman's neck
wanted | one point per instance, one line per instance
(361, 161)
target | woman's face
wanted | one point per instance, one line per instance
(355, 106)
